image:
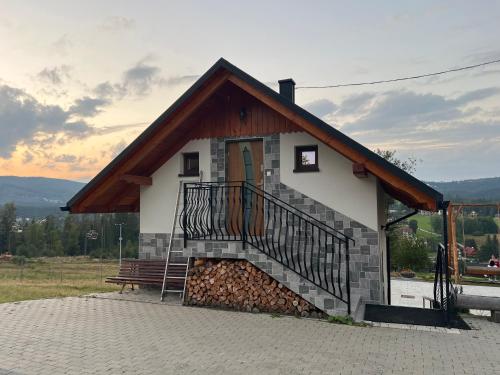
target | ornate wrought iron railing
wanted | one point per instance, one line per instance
(444, 294)
(240, 211)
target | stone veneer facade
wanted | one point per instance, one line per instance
(365, 272)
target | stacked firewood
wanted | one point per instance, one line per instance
(237, 284)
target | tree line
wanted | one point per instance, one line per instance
(95, 235)
(477, 226)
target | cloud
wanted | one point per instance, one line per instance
(27, 157)
(479, 57)
(454, 136)
(117, 128)
(355, 103)
(180, 80)
(477, 95)
(117, 23)
(110, 90)
(321, 107)
(87, 106)
(54, 75)
(24, 120)
(117, 148)
(140, 78)
(62, 45)
(65, 158)
(398, 110)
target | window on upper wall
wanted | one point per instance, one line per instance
(306, 159)
(191, 164)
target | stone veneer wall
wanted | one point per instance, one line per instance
(364, 255)
(154, 245)
(237, 250)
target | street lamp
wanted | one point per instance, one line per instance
(120, 240)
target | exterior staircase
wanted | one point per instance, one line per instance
(239, 220)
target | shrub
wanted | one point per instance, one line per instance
(409, 252)
(413, 224)
(437, 224)
(19, 260)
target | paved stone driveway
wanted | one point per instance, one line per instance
(106, 336)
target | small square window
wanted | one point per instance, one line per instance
(306, 159)
(191, 164)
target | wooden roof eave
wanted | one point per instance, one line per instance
(396, 182)
(142, 150)
(418, 198)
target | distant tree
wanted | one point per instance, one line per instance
(409, 252)
(409, 165)
(70, 236)
(488, 248)
(56, 236)
(477, 226)
(7, 221)
(413, 224)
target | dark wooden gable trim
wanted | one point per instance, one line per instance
(183, 121)
(127, 165)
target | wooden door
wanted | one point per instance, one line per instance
(245, 163)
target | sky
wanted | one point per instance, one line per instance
(80, 80)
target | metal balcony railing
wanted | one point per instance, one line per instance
(240, 211)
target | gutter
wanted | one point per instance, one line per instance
(391, 223)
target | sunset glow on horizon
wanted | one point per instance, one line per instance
(80, 81)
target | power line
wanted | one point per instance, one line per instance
(400, 79)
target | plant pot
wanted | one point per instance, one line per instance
(407, 274)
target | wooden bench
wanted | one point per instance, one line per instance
(139, 272)
(481, 271)
(465, 301)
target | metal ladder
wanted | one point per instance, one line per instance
(176, 266)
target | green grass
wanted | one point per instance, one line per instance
(347, 320)
(54, 277)
(424, 222)
(465, 280)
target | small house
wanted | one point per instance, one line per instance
(236, 170)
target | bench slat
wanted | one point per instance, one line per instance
(478, 270)
(148, 272)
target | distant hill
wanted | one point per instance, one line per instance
(481, 189)
(37, 196)
(40, 196)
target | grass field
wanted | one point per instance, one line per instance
(55, 277)
(424, 222)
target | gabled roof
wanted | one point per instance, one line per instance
(143, 156)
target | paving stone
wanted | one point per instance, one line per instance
(97, 335)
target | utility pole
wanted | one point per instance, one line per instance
(120, 240)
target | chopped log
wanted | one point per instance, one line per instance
(239, 285)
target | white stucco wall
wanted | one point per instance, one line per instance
(158, 200)
(334, 185)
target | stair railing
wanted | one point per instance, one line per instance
(444, 292)
(240, 211)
